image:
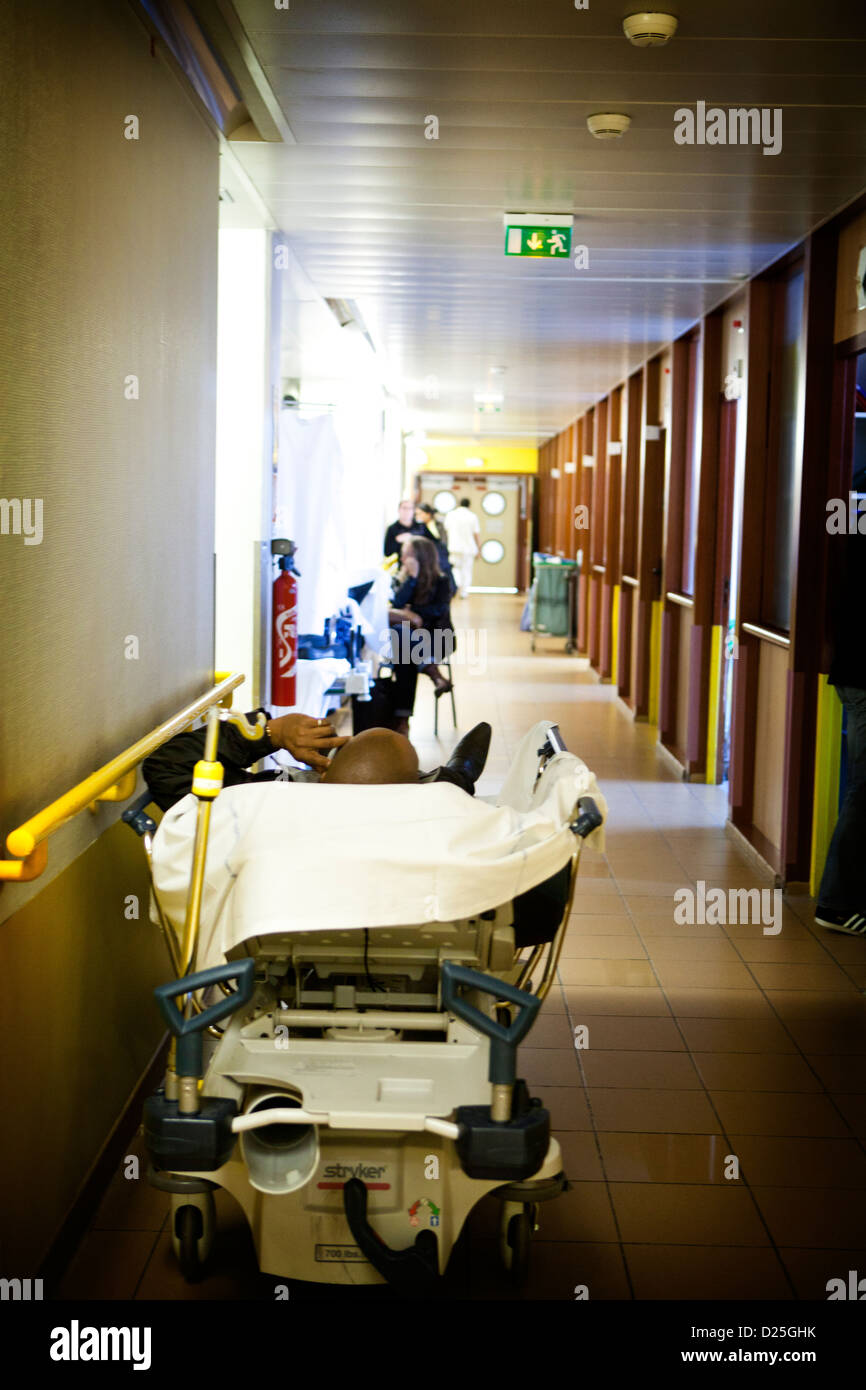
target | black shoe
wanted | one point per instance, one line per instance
(853, 923)
(466, 763)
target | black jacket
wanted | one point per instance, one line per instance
(392, 545)
(848, 666)
(168, 771)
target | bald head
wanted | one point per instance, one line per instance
(375, 756)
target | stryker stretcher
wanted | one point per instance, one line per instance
(362, 1095)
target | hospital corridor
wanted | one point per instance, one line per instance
(433, 671)
(689, 1028)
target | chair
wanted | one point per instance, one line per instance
(447, 664)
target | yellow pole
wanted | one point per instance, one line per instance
(825, 798)
(207, 781)
(716, 641)
(614, 635)
(655, 660)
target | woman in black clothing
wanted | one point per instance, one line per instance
(421, 618)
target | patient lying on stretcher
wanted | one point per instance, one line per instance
(375, 758)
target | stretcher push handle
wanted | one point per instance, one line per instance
(503, 1041)
(188, 1031)
(588, 818)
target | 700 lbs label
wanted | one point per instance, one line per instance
(327, 1253)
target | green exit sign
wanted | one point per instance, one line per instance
(541, 234)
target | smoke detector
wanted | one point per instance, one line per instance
(608, 125)
(649, 29)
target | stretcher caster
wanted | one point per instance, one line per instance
(193, 1222)
(517, 1224)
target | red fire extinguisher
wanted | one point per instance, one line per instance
(285, 646)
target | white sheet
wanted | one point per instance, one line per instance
(310, 857)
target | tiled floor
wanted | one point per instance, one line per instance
(713, 1126)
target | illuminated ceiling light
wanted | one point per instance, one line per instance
(608, 125)
(489, 402)
(649, 29)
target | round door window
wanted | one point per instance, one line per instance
(444, 501)
(493, 503)
(492, 552)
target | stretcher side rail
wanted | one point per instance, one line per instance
(115, 781)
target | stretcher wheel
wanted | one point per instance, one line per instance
(517, 1226)
(193, 1225)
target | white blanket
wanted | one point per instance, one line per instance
(311, 857)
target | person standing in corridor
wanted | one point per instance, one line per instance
(433, 526)
(463, 531)
(402, 528)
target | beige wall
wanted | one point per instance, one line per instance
(770, 741)
(685, 618)
(849, 319)
(107, 270)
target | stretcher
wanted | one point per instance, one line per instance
(344, 1058)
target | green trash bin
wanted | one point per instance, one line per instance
(550, 609)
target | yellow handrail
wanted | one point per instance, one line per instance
(113, 782)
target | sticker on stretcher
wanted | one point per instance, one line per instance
(328, 1254)
(415, 1212)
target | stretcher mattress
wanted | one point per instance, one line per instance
(286, 857)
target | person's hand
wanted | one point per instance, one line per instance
(307, 739)
(405, 536)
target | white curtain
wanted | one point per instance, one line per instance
(331, 497)
(309, 509)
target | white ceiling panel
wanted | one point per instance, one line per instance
(412, 229)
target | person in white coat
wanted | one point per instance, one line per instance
(463, 531)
